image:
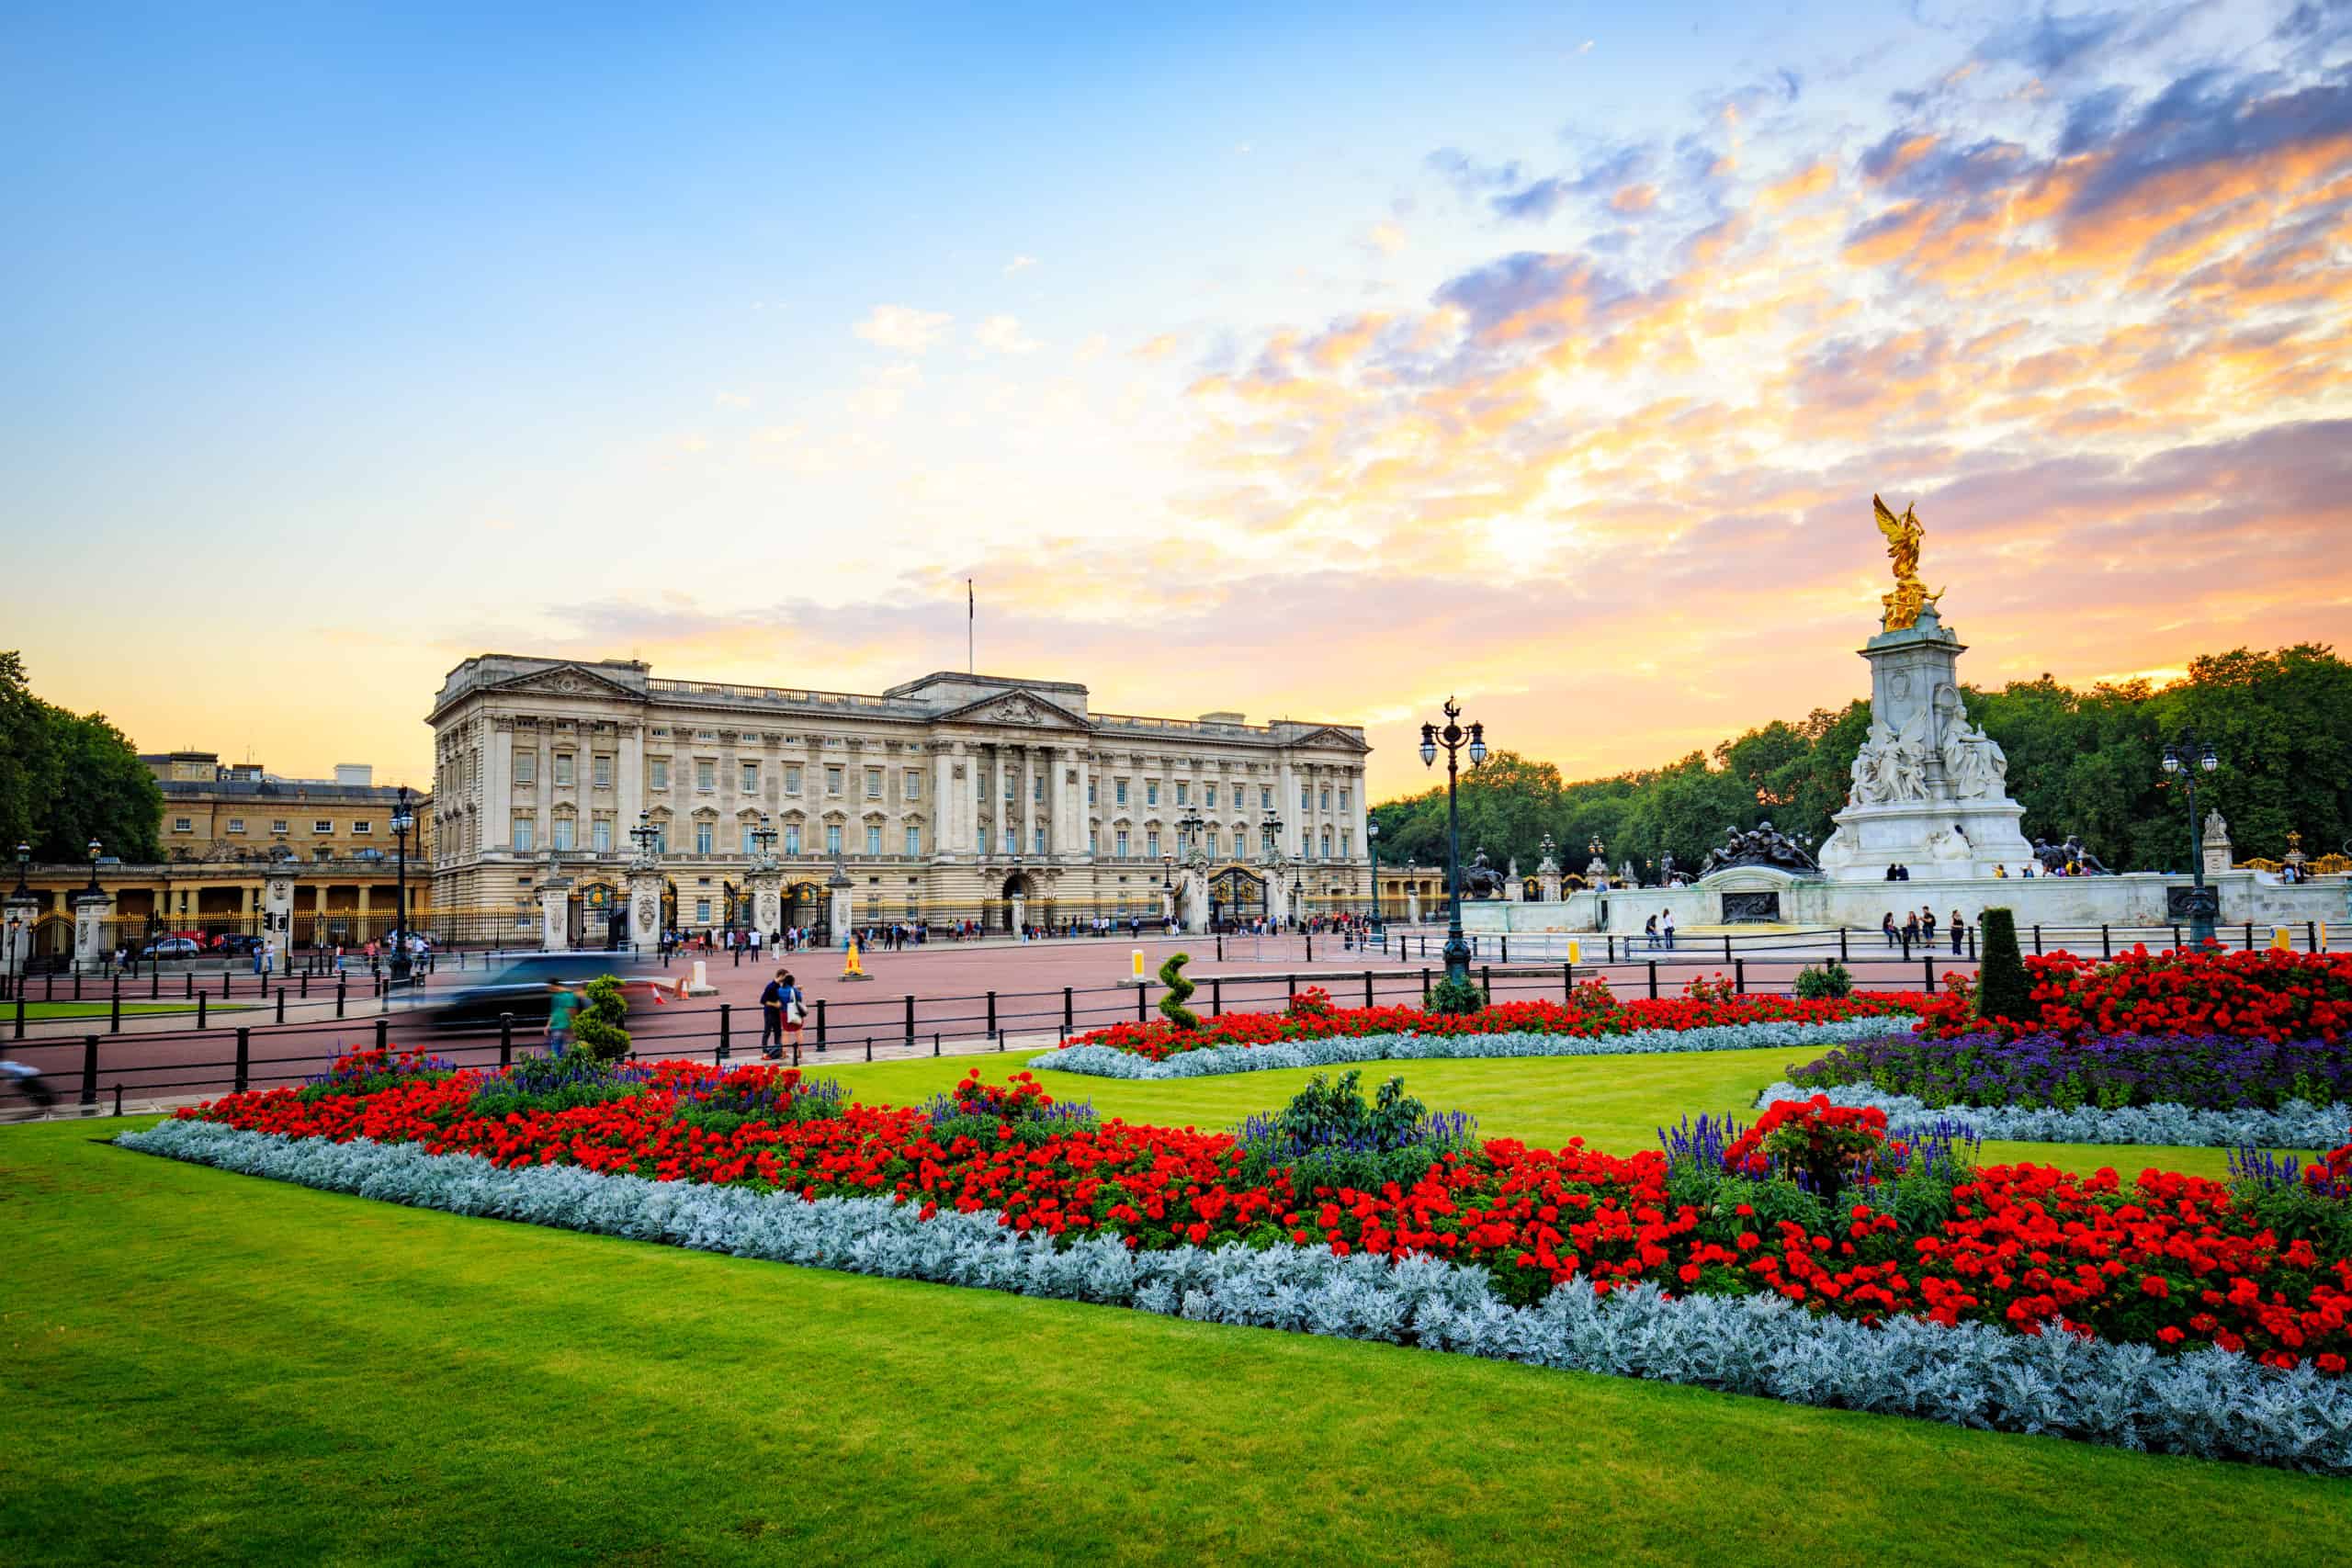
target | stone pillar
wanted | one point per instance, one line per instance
(1027, 784)
(555, 913)
(1413, 905)
(1081, 814)
(943, 804)
(1287, 807)
(90, 932)
(844, 908)
(629, 783)
(498, 788)
(1018, 912)
(17, 918)
(645, 906)
(1514, 889)
(765, 885)
(277, 914)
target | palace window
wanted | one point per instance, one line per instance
(792, 839)
(1037, 789)
(1151, 844)
(1119, 792)
(277, 823)
(1090, 791)
(702, 838)
(1327, 798)
(363, 826)
(873, 839)
(183, 824)
(1093, 842)
(792, 781)
(563, 762)
(527, 767)
(1151, 792)
(1306, 797)
(658, 773)
(832, 778)
(1210, 791)
(873, 783)
(600, 770)
(236, 824)
(600, 835)
(661, 837)
(1039, 847)
(1265, 797)
(1343, 800)
(702, 911)
(705, 775)
(1010, 783)
(1120, 839)
(563, 829)
(984, 838)
(743, 831)
(912, 785)
(1347, 843)
(832, 838)
(914, 841)
(751, 778)
(527, 833)
(322, 826)
(1182, 791)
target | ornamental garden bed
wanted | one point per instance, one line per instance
(2169, 1306)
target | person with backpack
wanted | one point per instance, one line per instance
(791, 1007)
(771, 1017)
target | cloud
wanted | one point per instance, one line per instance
(1019, 264)
(883, 394)
(903, 329)
(1385, 237)
(1158, 347)
(730, 401)
(1002, 335)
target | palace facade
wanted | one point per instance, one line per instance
(953, 796)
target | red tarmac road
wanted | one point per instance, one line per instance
(942, 988)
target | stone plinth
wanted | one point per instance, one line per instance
(90, 932)
(16, 919)
(645, 884)
(555, 913)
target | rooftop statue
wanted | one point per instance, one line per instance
(1910, 595)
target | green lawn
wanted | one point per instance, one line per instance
(103, 1009)
(1613, 1102)
(205, 1367)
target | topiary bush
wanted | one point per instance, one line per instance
(599, 1029)
(1453, 996)
(1179, 991)
(1825, 982)
(2003, 989)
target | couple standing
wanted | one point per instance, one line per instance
(782, 1007)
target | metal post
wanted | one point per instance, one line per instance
(1841, 944)
(2037, 941)
(114, 1009)
(1367, 987)
(1141, 987)
(1726, 947)
(200, 999)
(281, 1004)
(726, 1030)
(1739, 977)
(935, 1045)
(505, 1039)
(20, 1012)
(383, 1033)
(1928, 967)
(1217, 998)
(339, 994)
(1425, 984)
(1567, 982)
(911, 1024)
(2249, 936)
(991, 1015)
(1487, 981)
(245, 1057)
(1069, 1016)
(89, 1069)
(2106, 941)
(820, 1026)
(1653, 967)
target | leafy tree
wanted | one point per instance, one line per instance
(67, 778)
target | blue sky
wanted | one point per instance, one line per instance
(342, 343)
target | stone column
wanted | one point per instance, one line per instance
(277, 914)
(943, 804)
(629, 783)
(1026, 784)
(844, 907)
(17, 918)
(90, 932)
(1081, 814)
(645, 906)
(555, 922)
(498, 789)
(765, 884)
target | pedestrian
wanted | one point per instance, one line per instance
(1959, 927)
(1649, 934)
(28, 1082)
(1887, 925)
(1666, 928)
(791, 1008)
(562, 1007)
(772, 1018)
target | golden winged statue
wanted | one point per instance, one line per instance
(1910, 595)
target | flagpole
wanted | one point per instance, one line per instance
(971, 615)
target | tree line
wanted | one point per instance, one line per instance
(2080, 762)
(66, 778)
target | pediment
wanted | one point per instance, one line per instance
(1024, 709)
(1330, 735)
(564, 681)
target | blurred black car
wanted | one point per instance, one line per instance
(525, 988)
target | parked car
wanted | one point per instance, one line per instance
(525, 988)
(171, 947)
(237, 945)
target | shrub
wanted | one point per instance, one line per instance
(1451, 995)
(1179, 991)
(1825, 982)
(2003, 989)
(1327, 1136)
(598, 1030)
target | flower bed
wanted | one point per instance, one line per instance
(2204, 1402)
(2267, 994)
(2293, 1125)
(1986, 1067)
(1594, 1011)
(2171, 1260)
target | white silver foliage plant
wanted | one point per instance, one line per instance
(2206, 1401)
(1335, 1050)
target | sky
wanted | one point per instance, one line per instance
(1314, 365)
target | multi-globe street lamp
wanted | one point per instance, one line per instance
(403, 822)
(1372, 848)
(1455, 740)
(1270, 826)
(2189, 754)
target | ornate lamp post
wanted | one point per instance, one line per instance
(763, 840)
(1371, 849)
(23, 864)
(642, 836)
(95, 849)
(2189, 754)
(403, 819)
(1271, 827)
(1455, 740)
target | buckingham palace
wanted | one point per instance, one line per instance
(568, 791)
